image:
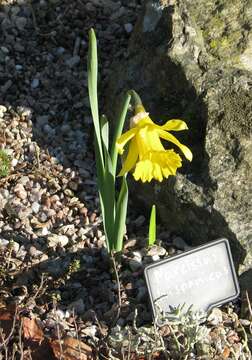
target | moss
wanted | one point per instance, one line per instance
(5, 163)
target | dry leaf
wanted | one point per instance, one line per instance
(226, 352)
(7, 318)
(71, 349)
(31, 330)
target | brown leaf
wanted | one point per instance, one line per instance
(71, 349)
(226, 352)
(41, 351)
(7, 318)
(31, 330)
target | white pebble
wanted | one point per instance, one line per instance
(35, 207)
(55, 240)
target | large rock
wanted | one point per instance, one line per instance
(193, 60)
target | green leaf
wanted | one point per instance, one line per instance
(118, 130)
(107, 237)
(92, 88)
(99, 165)
(121, 212)
(152, 226)
(105, 132)
(108, 197)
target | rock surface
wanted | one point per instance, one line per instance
(192, 60)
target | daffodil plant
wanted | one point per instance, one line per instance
(146, 155)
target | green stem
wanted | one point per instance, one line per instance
(135, 97)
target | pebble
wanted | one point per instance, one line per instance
(35, 83)
(73, 61)
(77, 306)
(14, 246)
(55, 240)
(42, 217)
(3, 110)
(156, 250)
(34, 252)
(180, 243)
(19, 67)
(215, 317)
(141, 293)
(155, 257)
(136, 263)
(139, 221)
(20, 22)
(14, 162)
(35, 207)
(60, 50)
(20, 191)
(3, 242)
(21, 254)
(128, 27)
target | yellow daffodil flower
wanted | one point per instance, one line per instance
(146, 153)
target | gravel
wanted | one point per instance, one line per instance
(49, 208)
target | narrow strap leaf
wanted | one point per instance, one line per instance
(108, 199)
(121, 212)
(118, 130)
(92, 88)
(105, 131)
(152, 226)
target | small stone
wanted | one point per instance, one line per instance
(55, 240)
(141, 294)
(155, 257)
(20, 23)
(21, 254)
(91, 330)
(19, 47)
(88, 259)
(19, 67)
(128, 27)
(156, 250)
(14, 162)
(42, 217)
(215, 317)
(20, 191)
(7, 86)
(44, 231)
(34, 252)
(139, 221)
(60, 50)
(35, 83)
(24, 180)
(42, 120)
(3, 243)
(35, 207)
(48, 129)
(3, 110)
(180, 243)
(77, 306)
(6, 24)
(14, 246)
(136, 263)
(73, 61)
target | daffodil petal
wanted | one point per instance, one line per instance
(123, 139)
(157, 173)
(143, 171)
(174, 125)
(131, 158)
(167, 136)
